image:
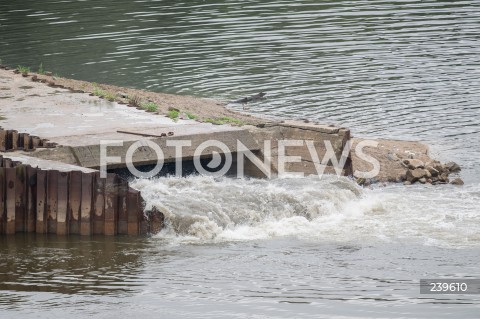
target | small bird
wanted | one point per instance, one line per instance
(252, 98)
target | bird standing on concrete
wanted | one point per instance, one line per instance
(252, 98)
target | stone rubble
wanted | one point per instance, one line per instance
(434, 172)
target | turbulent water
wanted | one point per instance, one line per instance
(291, 248)
(330, 209)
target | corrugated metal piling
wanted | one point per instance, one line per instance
(11, 140)
(70, 202)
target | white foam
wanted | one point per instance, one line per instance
(329, 209)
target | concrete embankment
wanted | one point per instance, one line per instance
(61, 129)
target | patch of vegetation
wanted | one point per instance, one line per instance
(1, 116)
(23, 69)
(173, 114)
(224, 120)
(41, 70)
(135, 101)
(98, 91)
(150, 106)
(109, 96)
(191, 116)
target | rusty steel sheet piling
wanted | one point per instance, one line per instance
(41, 201)
(31, 199)
(74, 202)
(20, 198)
(12, 140)
(2, 200)
(49, 201)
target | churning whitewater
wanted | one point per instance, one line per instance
(330, 209)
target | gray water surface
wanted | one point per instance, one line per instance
(393, 69)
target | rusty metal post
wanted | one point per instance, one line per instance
(122, 224)
(41, 218)
(20, 141)
(74, 201)
(143, 218)
(111, 204)
(133, 204)
(62, 204)
(36, 141)
(3, 140)
(99, 205)
(86, 205)
(31, 198)
(11, 177)
(20, 198)
(27, 142)
(52, 201)
(14, 140)
(7, 163)
(2, 200)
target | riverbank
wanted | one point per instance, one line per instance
(174, 106)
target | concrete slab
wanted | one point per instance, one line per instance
(78, 119)
(46, 164)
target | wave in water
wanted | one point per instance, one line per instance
(204, 209)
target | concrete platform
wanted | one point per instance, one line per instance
(78, 119)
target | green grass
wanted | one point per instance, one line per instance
(1, 116)
(191, 116)
(224, 120)
(173, 114)
(41, 69)
(98, 91)
(150, 106)
(110, 96)
(23, 69)
(103, 94)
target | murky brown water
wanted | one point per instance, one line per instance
(310, 249)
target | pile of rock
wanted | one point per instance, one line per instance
(429, 173)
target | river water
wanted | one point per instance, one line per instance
(286, 248)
